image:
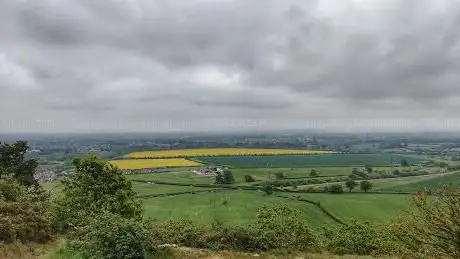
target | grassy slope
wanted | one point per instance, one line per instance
(241, 207)
(298, 161)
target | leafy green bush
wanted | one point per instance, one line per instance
(355, 238)
(278, 227)
(336, 188)
(249, 179)
(96, 187)
(283, 227)
(268, 189)
(112, 236)
(25, 213)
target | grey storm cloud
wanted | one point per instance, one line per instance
(134, 63)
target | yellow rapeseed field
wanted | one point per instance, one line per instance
(221, 152)
(152, 163)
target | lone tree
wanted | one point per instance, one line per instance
(279, 176)
(249, 179)
(268, 189)
(313, 172)
(228, 177)
(351, 184)
(404, 163)
(220, 179)
(365, 186)
(14, 163)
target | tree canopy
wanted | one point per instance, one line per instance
(13, 162)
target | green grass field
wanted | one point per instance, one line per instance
(305, 161)
(452, 180)
(360, 206)
(241, 207)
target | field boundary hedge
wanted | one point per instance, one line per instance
(200, 185)
(146, 196)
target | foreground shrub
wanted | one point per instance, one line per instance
(112, 236)
(25, 213)
(283, 227)
(96, 187)
(215, 237)
(432, 227)
(355, 238)
(277, 227)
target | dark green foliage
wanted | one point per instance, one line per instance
(354, 238)
(336, 188)
(220, 179)
(96, 187)
(13, 162)
(353, 176)
(279, 227)
(282, 227)
(368, 169)
(268, 189)
(111, 236)
(25, 213)
(351, 184)
(228, 177)
(225, 178)
(365, 186)
(313, 173)
(359, 173)
(404, 163)
(279, 175)
(443, 164)
(216, 237)
(249, 178)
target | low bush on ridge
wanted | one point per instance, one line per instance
(279, 227)
(25, 213)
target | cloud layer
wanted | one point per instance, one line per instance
(113, 65)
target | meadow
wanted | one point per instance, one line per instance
(221, 152)
(240, 207)
(302, 161)
(152, 163)
(228, 207)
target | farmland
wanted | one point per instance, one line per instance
(230, 207)
(260, 174)
(152, 163)
(300, 161)
(180, 200)
(430, 183)
(221, 152)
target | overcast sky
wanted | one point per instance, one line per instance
(159, 65)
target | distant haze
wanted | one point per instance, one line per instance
(229, 65)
